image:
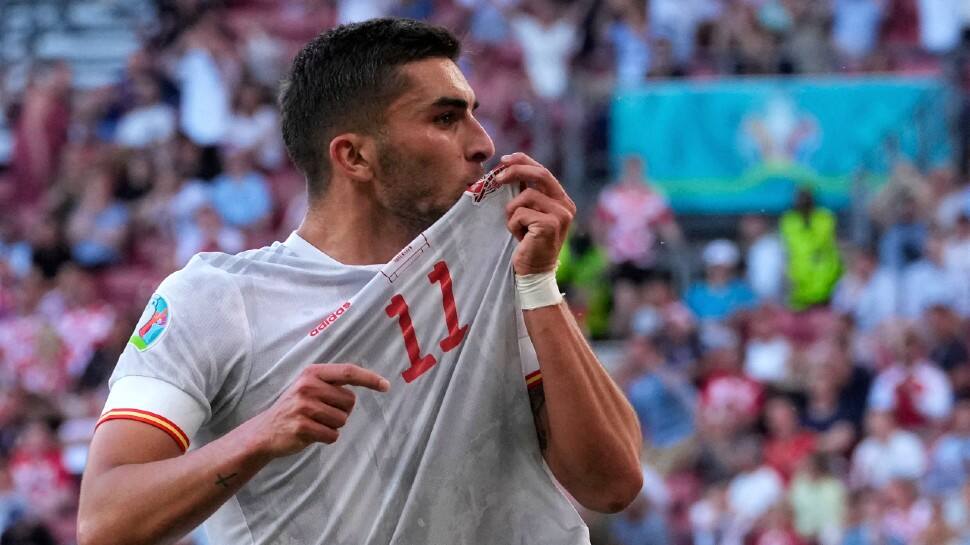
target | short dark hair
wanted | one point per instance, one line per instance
(344, 79)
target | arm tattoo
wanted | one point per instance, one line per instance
(537, 399)
(224, 481)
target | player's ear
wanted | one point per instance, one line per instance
(350, 155)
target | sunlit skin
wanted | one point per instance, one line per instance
(398, 182)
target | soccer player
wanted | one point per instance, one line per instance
(380, 120)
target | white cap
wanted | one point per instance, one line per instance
(721, 252)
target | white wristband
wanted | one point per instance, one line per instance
(538, 290)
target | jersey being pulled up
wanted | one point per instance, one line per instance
(448, 456)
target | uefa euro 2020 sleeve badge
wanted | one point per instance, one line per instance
(152, 324)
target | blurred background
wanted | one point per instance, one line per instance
(772, 252)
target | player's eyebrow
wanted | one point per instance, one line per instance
(454, 102)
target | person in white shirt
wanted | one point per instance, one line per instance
(867, 292)
(362, 382)
(765, 259)
(548, 39)
(255, 128)
(150, 122)
(928, 281)
(914, 388)
(886, 453)
(204, 107)
(940, 24)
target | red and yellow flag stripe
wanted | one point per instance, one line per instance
(150, 418)
(533, 379)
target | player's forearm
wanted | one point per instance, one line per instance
(159, 502)
(593, 443)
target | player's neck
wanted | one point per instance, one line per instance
(354, 234)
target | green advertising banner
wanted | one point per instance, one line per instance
(732, 146)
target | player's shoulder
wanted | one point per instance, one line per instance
(210, 283)
(215, 271)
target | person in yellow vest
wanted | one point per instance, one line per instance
(814, 264)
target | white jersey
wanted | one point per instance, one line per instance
(448, 456)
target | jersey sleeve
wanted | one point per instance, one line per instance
(187, 360)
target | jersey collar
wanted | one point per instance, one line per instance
(305, 250)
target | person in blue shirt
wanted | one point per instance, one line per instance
(721, 293)
(241, 195)
(664, 401)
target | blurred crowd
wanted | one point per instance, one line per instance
(793, 386)
(803, 388)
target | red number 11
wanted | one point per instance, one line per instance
(456, 333)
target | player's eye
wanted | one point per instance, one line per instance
(446, 119)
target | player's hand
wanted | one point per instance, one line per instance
(539, 216)
(313, 408)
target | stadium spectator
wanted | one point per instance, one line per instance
(711, 519)
(927, 281)
(150, 121)
(721, 294)
(829, 412)
(40, 132)
(630, 218)
(855, 28)
(548, 36)
(86, 319)
(949, 457)
(949, 348)
(867, 291)
(664, 402)
(14, 249)
(788, 444)
(913, 388)
(764, 259)
(819, 501)
(241, 195)
(729, 401)
(583, 275)
(768, 353)
(956, 512)
(956, 256)
(38, 473)
(12, 504)
(97, 227)
(254, 127)
(907, 514)
(631, 39)
(208, 234)
(940, 24)
(904, 239)
(777, 528)
(809, 236)
(886, 453)
(204, 108)
(645, 520)
(756, 488)
(866, 521)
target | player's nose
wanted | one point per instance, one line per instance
(479, 145)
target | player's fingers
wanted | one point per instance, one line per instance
(311, 431)
(538, 177)
(519, 158)
(353, 375)
(531, 198)
(325, 414)
(524, 220)
(341, 397)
